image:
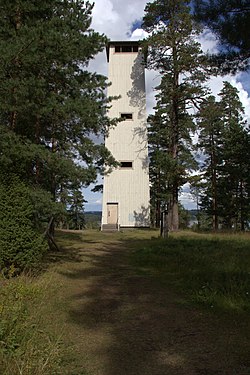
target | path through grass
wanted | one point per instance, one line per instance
(126, 304)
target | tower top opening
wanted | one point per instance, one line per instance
(127, 46)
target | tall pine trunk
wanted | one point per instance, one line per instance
(242, 221)
(215, 221)
(16, 63)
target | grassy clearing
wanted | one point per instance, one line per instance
(33, 310)
(36, 336)
(211, 270)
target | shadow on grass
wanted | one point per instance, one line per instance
(71, 244)
(68, 243)
(137, 326)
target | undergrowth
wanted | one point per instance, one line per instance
(25, 346)
(213, 271)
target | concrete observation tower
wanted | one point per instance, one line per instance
(126, 188)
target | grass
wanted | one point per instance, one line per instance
(33, 309)
(26, 347)
(33, 312)
(210, 270)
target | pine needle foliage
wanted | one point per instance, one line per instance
(174, 52)
(225, 142)
(229, 20)
(52, 107)
(21, 244)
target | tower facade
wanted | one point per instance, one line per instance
(126, 188)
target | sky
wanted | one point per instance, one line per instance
(120, 20)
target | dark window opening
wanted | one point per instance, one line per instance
(119, 49)
(126, 48)
(126, 164)
(127, 116)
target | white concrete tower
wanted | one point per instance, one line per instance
(126, 188)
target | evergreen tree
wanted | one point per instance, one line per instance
(21, 243)
(210, 143)
(185, 217)
(224, 140)
(158, 167)
(235, 169)
(76, 210)
(173, 51)
(51, 105)
(229, 20)
(197, 186)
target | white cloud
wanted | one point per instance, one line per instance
(104, 14)
(95, 201)
(139, 34)
(216, 84)
(208, 41)
(115, 17)
(99, 64)
(209, 44)
(243, 95)
(107, 20)
(152, 81)
(187, 201)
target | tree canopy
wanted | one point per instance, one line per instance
(224, 140)
(229, 20)
(51, 104)
(174, 52)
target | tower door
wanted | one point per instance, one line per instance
(112, 209)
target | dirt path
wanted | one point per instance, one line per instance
(119, 322)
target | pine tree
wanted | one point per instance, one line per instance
(21, 242)
(210, 143)
(76, 210)
(51, 105)
(158, 168)
(173, 51)
(235, 169)
(197, 186)
(224, 140)
(229, 20)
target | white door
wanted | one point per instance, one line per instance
(112, 213)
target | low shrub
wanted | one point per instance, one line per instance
(21, 245)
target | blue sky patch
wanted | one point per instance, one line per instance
(136, 25)
(245, 80)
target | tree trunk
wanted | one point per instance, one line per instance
(158, 213)
(37, 139)
(215, 221)
(16, 63)
(175, 211)
(164, 224)
(174, 214)
(198, 216)
(242, 221)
